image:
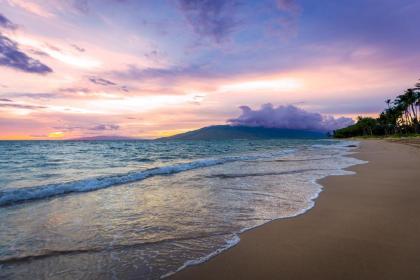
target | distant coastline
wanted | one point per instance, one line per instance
(230, 132)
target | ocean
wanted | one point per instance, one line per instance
(146, 209)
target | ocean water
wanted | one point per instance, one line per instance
(146, 209)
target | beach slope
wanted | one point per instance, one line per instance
(363, 226)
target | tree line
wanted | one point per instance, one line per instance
(400, 117)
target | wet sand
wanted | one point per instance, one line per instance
(363, 226)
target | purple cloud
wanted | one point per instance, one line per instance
(75, 90)
(21, 106)
(107, 83)
(288, 6)
(290, 117)
(35, 95)
(11, 56)
(102, 127)
(38, 52)
(101, 81)
(84, 6)
(6, 23)
(154, 55)
(210, 18)
(99, 127)
(78, 48)
(81, 5)
(135, 73)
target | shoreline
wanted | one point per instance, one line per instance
(285, 247)
(236, 236)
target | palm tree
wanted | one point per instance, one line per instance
(385, 117)
(401, 116)
(388, 101)
(416, 102)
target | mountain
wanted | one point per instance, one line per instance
(103, 138)
(224, 132)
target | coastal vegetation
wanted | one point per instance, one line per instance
(401, 117)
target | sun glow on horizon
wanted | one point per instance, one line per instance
(56, 134)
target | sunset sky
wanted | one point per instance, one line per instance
(71, 68)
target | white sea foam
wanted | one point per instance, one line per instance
(229, 244)
(252, 189)
(17, 195)
(345, 148)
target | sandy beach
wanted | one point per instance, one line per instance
(363, 226)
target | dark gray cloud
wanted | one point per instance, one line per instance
(66, 128)
(75, 90)
(11, 56)
(54, 48)
(210, 18)
(103, 127)
(38, 52)
(107, 83)
(155, 56)
(290, 117)
(6, 100)
(152, 55)
(60, 93)
(98, 127)
(76, 47)
(135, 73)
(124, 88)
(35, 95)
(6, 23)
(21, 106)
(101, 81)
